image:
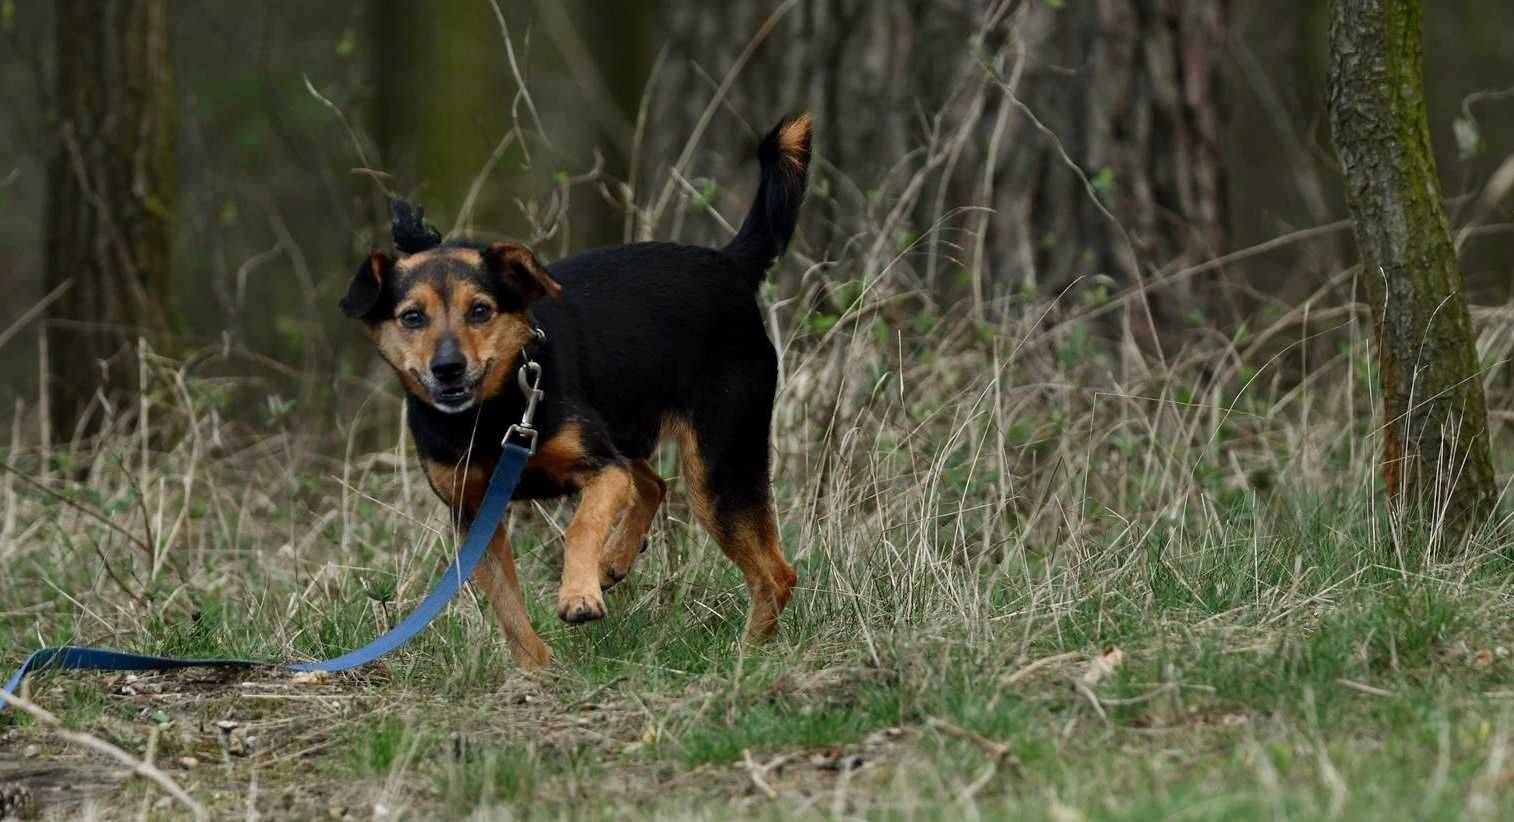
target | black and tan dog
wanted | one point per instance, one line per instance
(642, 341)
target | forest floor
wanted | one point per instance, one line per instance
(1270, 668)
(1167, 598)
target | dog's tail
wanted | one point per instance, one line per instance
(785, 157)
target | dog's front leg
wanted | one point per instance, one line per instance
(605, 497)
(497, 576)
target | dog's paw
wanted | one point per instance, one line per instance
(574, 608)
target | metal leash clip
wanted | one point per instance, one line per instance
(529, 377)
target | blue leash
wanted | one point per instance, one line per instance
(491, 514)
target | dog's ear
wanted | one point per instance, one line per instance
(517, 264)
(367, 286)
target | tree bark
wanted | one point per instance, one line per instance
(1435, 444)
(110, 194)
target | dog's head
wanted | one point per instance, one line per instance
(451, 319)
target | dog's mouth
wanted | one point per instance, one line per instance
(457, 397)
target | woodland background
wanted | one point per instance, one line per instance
(1200, 126)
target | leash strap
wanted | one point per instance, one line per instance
(491, 513)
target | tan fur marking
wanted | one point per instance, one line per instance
(605, 496)
(496, 574)
(624, 547)
(751, 543)
(493, 345)
(793, 140)
(562, 456)
(490, 348)
(693, 473)
(409, 351)
(465, 256)
(460, 487)
(753, 546)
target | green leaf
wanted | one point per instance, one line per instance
(705, 196)
(821, 323)
(1103, 181)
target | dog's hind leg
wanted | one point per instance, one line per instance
(629, 540)
(725, 463)
(605, 496)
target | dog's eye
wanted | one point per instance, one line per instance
(412, 319)
(480, 313)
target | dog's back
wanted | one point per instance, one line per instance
(646, 330)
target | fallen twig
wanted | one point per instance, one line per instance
(1039, 664)
(999, 755)
(137, 766)
(1361, 687)
(758, 773)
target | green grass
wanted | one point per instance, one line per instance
(1274, 664)
(374, 748)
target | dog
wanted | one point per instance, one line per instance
(642, 342)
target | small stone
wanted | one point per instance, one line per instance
(227, 726)
(31, 751)
(189, 761)
(311, 678)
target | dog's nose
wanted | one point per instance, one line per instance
(448, 363)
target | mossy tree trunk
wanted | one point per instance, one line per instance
(110, 196)
(1435, 441)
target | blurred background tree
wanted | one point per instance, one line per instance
(107, 240)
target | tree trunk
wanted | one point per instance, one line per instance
(1141, 120)
(444, 97)
(1435, 443)
(110, 195)
(441, 100)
